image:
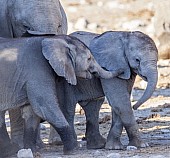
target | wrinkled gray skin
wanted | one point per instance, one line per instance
(135, 53)
(29, 69)
(36, 17)
(19, 16)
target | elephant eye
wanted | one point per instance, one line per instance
(89, 58)
(138, 62)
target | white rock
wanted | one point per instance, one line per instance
(92, 26)
(42, 127)
(157, 156)
(132, 25)
(136, 156)
(25, 153)
(100, 4)
(165, 130)
(72, 9)
(114, 4)
(97, 153)
(81, 24)
(131, 148)
(143, 84)
(114, 155)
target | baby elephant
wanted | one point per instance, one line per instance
(29, 68)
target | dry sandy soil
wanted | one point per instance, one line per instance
(154, 115)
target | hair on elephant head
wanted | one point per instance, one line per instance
(129, 51)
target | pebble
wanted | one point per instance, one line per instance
(114, 155)
(165, 130)
(157, 156)
(81, 24)
(131, 148)
(97, 153)
(25, 153)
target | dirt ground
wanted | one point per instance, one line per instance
(153, 116)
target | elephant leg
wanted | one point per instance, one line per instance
(6, 147)
(39, 143)
(118, 92)
(54, 137)
(113, 138)
(17, 126)
(93, 136)
(31, 127)
(68, 109)
(134, 136)
(45, 104)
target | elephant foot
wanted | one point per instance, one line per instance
(138, 143)
(96, 142)
(40, 145)
(10, 150)
(114, 145)
(70, 148)
(55, 141)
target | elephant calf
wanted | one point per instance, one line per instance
(134, 53)
(29, 68)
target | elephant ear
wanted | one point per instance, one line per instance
(58, 53)
(109, 51)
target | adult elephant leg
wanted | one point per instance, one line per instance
(17, 126)
(54, 137)
(113, 138)
(31, 127)
(45, 104)
(93, 136)
(6, 147)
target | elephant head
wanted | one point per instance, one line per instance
(130, 51)
(36, 15)
(69, 57)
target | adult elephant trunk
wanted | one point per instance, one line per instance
(152, 79)
(102, 73)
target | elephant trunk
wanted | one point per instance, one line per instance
(102, 73)
(152, 79)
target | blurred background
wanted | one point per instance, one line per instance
(149, 16)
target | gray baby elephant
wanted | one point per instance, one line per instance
(29, 69)
(133, 52)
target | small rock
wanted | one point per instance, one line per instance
(25, 153)
(136, 156)
(143, 84)
(42, 127)
(81, 24)
(157, 156)
(131, 148)
(92, 26)
(114, 155)
(165, 130)
(132, 25)
(97, 153)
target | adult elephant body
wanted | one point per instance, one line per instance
(36, 17)
(30, 68)
(19, 16)
(134, 53)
